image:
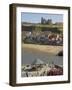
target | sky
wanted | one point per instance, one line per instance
(36, 17)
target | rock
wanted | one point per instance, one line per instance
(60, 53)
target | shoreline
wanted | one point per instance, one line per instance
(43, 48)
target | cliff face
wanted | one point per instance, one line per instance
(57, 28)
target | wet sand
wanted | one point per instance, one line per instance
(43, 48)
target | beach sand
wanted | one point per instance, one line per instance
(43, 48)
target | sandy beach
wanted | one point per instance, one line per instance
(43, 48)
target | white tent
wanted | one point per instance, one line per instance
(37, 61)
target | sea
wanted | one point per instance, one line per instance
(28, 57)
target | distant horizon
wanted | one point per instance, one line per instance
(36, 17)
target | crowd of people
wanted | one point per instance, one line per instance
(55, 71)
(43, 70)
(48, 38)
